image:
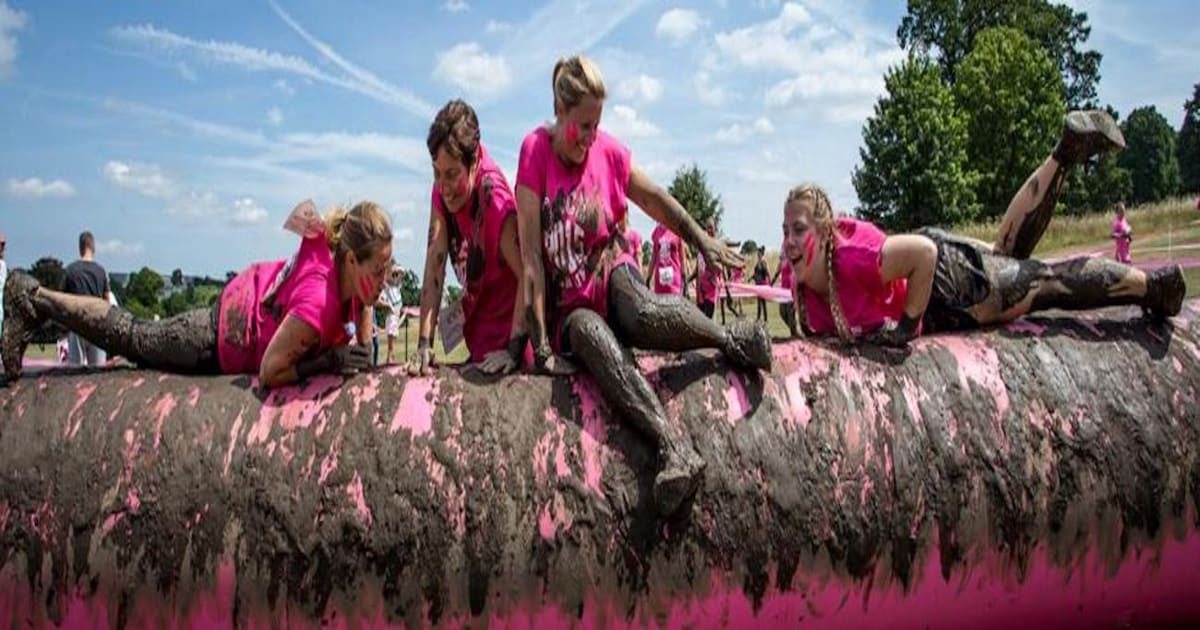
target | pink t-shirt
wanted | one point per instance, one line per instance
(785, 270)
(489, 285)
(255, 302)
(707, 279)
(1121, 233)
(633, 244)
(866, 300)
(581, 207)
(667, 262)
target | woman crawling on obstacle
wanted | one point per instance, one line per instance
(473, 218)
(586, 298)
(854, 281)
(284, 320)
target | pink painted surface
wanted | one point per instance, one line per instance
(769, 293)
(978, 364)
(737, 403)
(594, 434)
(415, 411)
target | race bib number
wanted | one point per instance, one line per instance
(450, 325)
(666, 276)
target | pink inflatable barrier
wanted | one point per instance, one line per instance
(1045, 474)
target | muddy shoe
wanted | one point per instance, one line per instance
(749, 345)
(20, 321)
(1087, 134)
(679, 478)
(1165, 290)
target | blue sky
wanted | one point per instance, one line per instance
(181, 133)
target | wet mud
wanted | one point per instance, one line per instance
(1049, 469)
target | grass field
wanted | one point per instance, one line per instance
(1163, 231)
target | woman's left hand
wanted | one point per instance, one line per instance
(719, 254)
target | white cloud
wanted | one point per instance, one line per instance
(497, 26)
(275, 116)
(196, 205)
(146, 179)
(642, 88)
(830, 65)
(35, 188)
(11, 22)
(403, 234)
(283, 86)
(258, 60)
(117, 247)
(708, 92)
(331, 146)
(467, 66)
(247, 212)
(623, 122)
(677, 25)
(456, 6)
(738, 133)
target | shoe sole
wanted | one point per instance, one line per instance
(1175, 286)
(1096, 121)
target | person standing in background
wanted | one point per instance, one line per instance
(86, 277)
(1122, 234)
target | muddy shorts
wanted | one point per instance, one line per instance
(959, 282)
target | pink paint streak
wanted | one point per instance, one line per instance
(415, 411)
(978, 363)
(1026, 326)
(737, 403)
(83, 391)
(354, 490)
(193, 396)
(594, 435)
(162, 409)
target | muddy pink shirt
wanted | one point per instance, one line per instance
(489, 285)
(256, 301)
(581, 207)
(1120, 233)
(866, 300)
(667, 261)
(785, 270)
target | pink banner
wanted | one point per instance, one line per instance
(769, 293)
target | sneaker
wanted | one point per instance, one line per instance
(749, 345)
(1165, 290)
(1087, 134)
(679, 479)
(20, 321)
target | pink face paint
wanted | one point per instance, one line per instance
(810, 247)
(571, 133)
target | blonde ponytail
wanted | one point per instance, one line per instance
(363, 230)
(825, 228)
(573, 78)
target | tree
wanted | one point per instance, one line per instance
(949, 30)
(647, 252)
(1187, 145)
(914, 160)
(177, 278)
(1011, 95)
(143, 289)
(1097, 185)
(410, 288)
(1150, 155)
(454, 293)
(49, 272)
(690, 188)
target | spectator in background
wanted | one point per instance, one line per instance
(762, 278)
(707, 279)
(666, 263)
(391, 302)
(86, 277)
(1122, 234)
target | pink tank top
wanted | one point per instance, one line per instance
(867, 301)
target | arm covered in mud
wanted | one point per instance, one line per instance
(285, 362)
(913, 258)
(665, 209)
(436, 246)
(533, 280)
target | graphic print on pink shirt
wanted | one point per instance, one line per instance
(667, 261)
(581, 209)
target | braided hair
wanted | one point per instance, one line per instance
(824, 224)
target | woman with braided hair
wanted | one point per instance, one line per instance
(854, 281)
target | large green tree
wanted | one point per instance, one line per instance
(49, 272)
(1011, 94)
(914, 159)
(142, 291)
(1150, 155)
(1187, 145)
(948, 30)
(690, 188)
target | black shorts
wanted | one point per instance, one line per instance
(960, 281)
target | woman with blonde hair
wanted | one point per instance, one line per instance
(283, 320)
(586, 298)
(854, 281)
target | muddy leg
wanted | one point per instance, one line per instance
(1085, 134)
(669, 322)
(185, 343)
(628, 392)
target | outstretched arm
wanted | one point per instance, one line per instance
(662, 207)
(436, 247)
(533, 282)
(507, 359)
(914, 258)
